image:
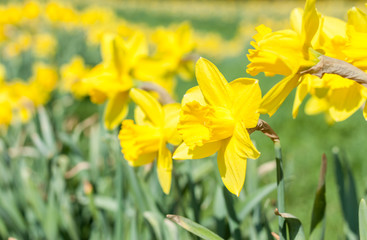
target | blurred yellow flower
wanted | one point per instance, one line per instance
(214, 118)
(147, 139)
(285, 52)
(112, 78)
(72, 75)
(44, 45)
(336, 96)
(31, 10)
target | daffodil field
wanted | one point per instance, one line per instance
(183, 120)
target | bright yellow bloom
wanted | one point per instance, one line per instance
(147, 139)
(338, 97)
(24, 97)
(31, 10)
(44, 45)
(112, 79)
(173, 46)
(58, 13)
(72, 75)
(5, 105)
(214, 118)
(285, 52)
(290, 51)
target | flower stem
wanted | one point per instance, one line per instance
(280, 188)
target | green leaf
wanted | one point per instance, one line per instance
(154, 220)
(280, 187)
(47, 130)
(363, 220)
(254, 199)
(295, 228)
(347, 192)
(170, 230)
(194, 227)
(319, 205)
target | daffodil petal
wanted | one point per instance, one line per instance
(184, 152)
(310, 24)
(357, 19)
(116, 110)
(149, 105)
(193, 94)
(365, 111)
(232, 159)
(296, 20)
(246, 97)
(345, 101)
(171, 117)
(113, 49)
(164, 167)
(316, 105)
(276, 96)
(301, 93)
(212, 83)
(143, 159)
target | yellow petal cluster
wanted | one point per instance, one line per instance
(288, 52)
(147, 139)
(19, 99)
(214, 118)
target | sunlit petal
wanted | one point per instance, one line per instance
(149, 105)
(200, 124)
(212, 83)
(171, 117)
(143, 159)
(184, 152)
(276, 96)
(116, 110)
(301, 93)
(345, 101)
(232, 158)
(164, 167)
(137, 140)
(246, 97)
(193, 94)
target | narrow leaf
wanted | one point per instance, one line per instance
(295, 228)
(347, 192)
(154, 221)
(363, 220)
(319, 205)
(254, 199)
(194, 227)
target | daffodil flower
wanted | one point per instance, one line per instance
(214, 118)
(146, 140)
(112, 78)
(71, 76)
(334, 95)
(284, 52)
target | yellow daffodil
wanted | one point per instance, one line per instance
(284, 52)
(44, 45)
(336, 96)
(112, 78)
(147, 139)
(5, 105)
(72, 75)
(173, 46)
(214, 118)
(290, 51)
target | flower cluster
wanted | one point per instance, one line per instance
(291, 51)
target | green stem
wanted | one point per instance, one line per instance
(119, 197)
(280, 188)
